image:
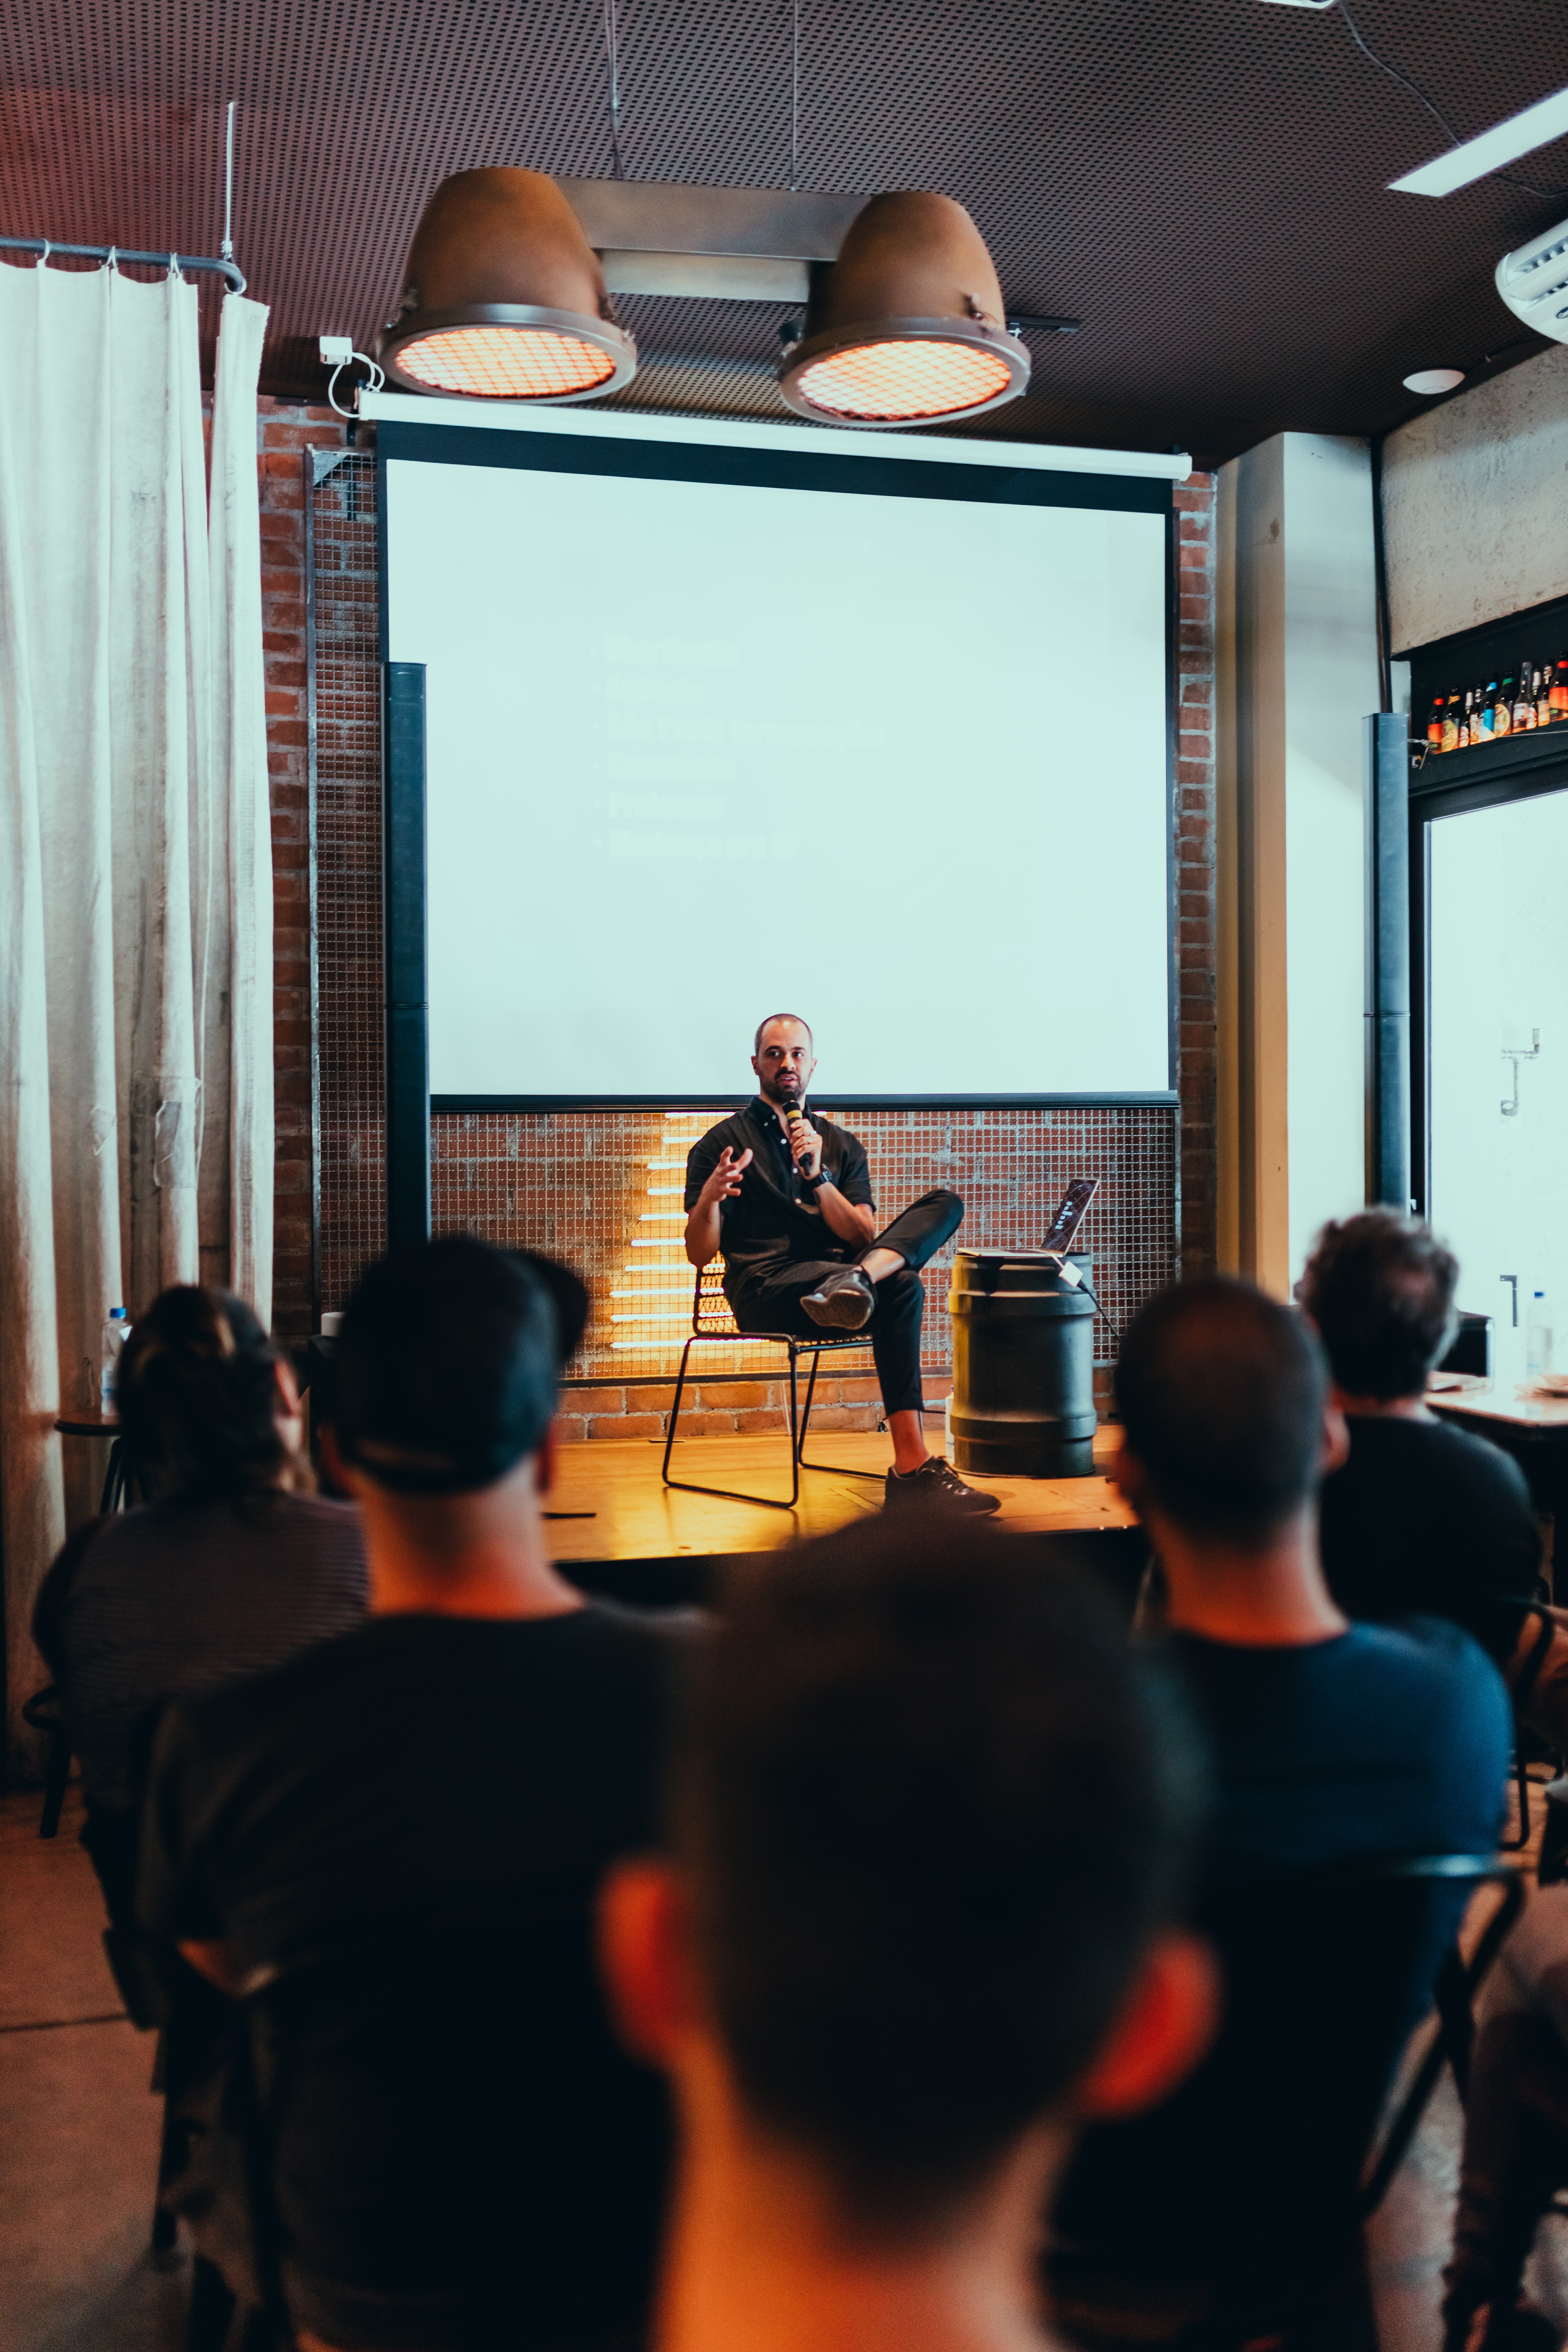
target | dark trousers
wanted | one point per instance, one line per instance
(1516, 2114)
(771, 1302)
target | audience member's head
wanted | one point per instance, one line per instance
(931, 1815)
(445, 1375)
(206, 1404)
(1221, 1393)
(1380, 1289)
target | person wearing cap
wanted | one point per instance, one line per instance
(388, 1851)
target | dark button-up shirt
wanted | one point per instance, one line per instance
(773, 1220)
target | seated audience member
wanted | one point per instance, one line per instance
(1331, 1739)
(1421, 1518)
(931, 1827)
(391, 1848)
(1332, 1743)
(235, 1567)
(1516, 2135)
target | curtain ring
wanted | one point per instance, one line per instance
(43, 257)
(113, 260)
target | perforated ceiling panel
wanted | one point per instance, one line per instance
(1201, 182)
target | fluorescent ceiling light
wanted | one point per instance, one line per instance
(1506, 143)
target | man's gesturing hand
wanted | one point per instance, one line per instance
(725, 1181)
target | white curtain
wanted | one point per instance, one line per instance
(135, 870)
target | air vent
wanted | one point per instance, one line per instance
(1534, 282)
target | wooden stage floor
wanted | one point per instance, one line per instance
(639, 1522)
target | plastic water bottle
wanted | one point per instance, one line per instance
(116, 1331)
(1538, 1339)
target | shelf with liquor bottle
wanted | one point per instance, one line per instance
(1490, 705)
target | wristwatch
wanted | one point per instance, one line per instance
(813, 1183)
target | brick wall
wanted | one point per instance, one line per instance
(284, 430)
(723, 1408)
(504, 1182)
(1195, 868)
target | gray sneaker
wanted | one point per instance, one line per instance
(842, 1301)
(937, 1487)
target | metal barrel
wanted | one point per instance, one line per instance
(1023, 1367)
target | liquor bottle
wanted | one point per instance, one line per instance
(1435, 724)
(1524, 704)
(1488, 712)
(1541, 682)
(1560, 694)
(1451, 724)
(1464, 741)
(1502, 709)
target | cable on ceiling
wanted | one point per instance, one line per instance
(794, 99)
(1438, 117)
(612, 62)
(226, 248)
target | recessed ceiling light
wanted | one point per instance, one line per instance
(1504, 144)
(1431, 380)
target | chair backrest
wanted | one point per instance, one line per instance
(1251, 2173)
(711, 1315)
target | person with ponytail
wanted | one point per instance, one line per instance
(234, 1564)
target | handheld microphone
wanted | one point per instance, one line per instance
(794, 1126)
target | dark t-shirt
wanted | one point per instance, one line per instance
(410, 1825)
(771, 1222)
(1381, 1740)
(1427, 1519)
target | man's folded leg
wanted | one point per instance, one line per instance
(844, 1299)
(918, 1231)
(777, 1304)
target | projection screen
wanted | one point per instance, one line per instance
(724, 720)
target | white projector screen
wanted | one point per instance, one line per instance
(880, 739)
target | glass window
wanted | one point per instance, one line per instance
(1497, 1106)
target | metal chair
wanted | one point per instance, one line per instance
(713, 1324)
(43, 1711)
(1233, 2211)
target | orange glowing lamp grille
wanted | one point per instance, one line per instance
(884, 382)
(505, 362)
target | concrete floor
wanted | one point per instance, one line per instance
(79, 2141)
(79, 2126)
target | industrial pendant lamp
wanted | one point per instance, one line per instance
(504, 297)
(906, 326)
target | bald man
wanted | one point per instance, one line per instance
(787, 1197)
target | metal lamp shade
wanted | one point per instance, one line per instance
(906, 326)
(504, 297)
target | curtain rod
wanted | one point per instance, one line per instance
(45, 246)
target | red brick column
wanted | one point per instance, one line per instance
(1195, 855)
(285, 429)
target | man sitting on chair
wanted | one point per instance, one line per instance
(787, 1197)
